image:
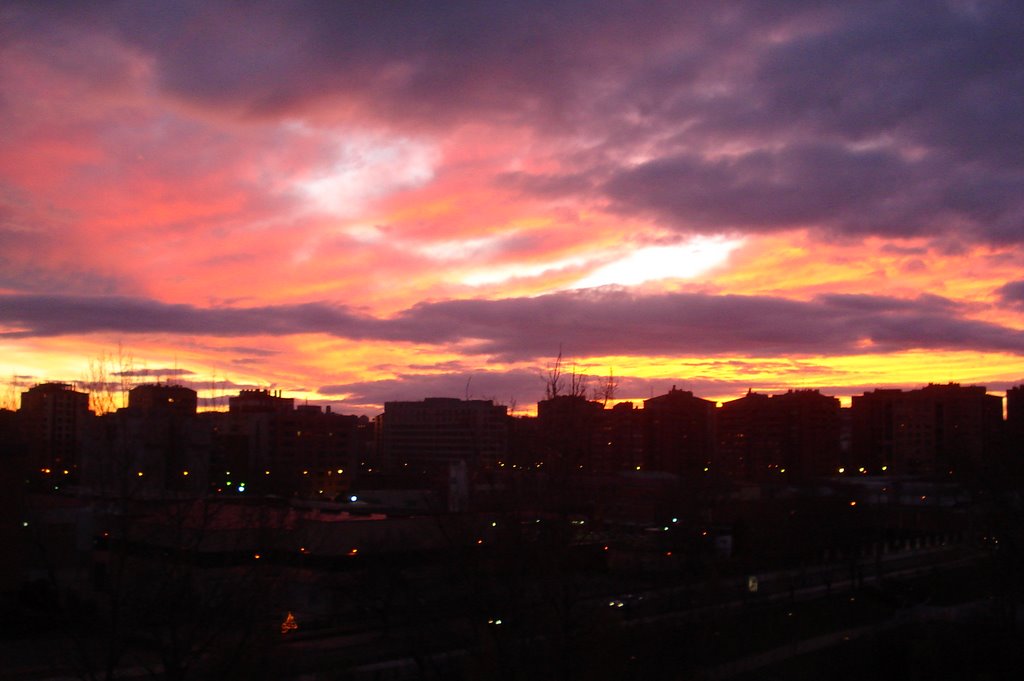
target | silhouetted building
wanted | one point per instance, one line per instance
(260, 402)
(427, 437)
(53, 419)
(11, 441)
(936, 429)
(155, 447)
(569, 432)
(318, 452)
(811, 429)
(1015, 420)
(162, 398)
(13, 536)
(794, 436)
(679, 434)
(749, 446)
(265, 444)
(622, 439)
(523, 442)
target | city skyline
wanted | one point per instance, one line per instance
(107, 397)
(357, 203)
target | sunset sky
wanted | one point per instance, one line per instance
(370, 201)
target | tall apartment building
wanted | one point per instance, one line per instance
(622, 439)
(569, 434)
(794, 436)
(53, 418)
(155, 398)
(679, 433)
(266, 444)
(1015, 421)
(935, 429)
(154, 447)
(431, 435)
(13, 507)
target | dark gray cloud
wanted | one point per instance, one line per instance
(22, 274)
(823, 185)
(608, 322)
(55, 315)
(936, 73)
(257, 352)
(1012, 293)
(166, 372)
(587, 323)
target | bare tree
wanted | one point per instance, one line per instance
(605, 392)
(109, 378)
(9, 394)
(217, 395)
(578, 383)
(553, 380)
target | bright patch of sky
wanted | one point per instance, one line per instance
(459, 249)
(678, 261)
(365, 167)
(497, 275)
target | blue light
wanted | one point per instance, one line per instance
(353, 498)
